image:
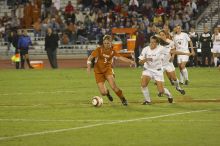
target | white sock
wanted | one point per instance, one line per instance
(215, 61)
(167, 93)
(181, 77)
(185, 74)
(146, 94)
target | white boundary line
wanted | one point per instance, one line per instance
(67, 120)
(88, 120)
(96, 125)
(39, 92)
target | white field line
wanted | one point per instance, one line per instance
(67, 120)
(39, 92)
(88, 120)
(96, 125)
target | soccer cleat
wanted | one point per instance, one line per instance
(160, 94)
(124, 102)
(186, 82)
(181, 91)
(110, 98)
(31, 67)
(146, 103)
(170, 100)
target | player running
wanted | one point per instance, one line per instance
(167, 62)
(216, 45)
(103, 68)
(151, 56)
(181, 41)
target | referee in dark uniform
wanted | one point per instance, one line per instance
(51, 45)
(206, 45)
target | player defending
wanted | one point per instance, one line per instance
(181, 41)
(151, 56)
(103, 68)
(169, 52)
(216, 46)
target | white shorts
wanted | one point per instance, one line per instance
(216, 49)
(182, 58)
(169, 67)
(155, 75)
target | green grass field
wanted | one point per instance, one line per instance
(53, 108)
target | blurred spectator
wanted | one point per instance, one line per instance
(2, 30)
(71, 31)
(69, 8)
(133, 5)
(157, 20)
(186, 21)
(117, 8)
(19, 12)
(65, 39)
(37, 28)
(38, 3)
(54, 25)
(188, 9)
(79, 16)
(28, 15)
(35, 13)
(5, 18)
(160, 10)
(71, 17)
(57, 4)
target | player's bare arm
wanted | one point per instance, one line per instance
(145, 60)
(89, 62)
(192, 48)
(124, 59)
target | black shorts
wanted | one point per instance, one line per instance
(24, 51)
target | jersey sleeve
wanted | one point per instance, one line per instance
(95, 53)
(116, 54)
(142, 55)
(187, 37)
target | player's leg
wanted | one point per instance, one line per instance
(22, 55)
(215, 59)
(179, 61)
(28, 60)
(118, 92)
(169, 77)
(172, 75)
(164, 91)
(100, 80)
(216, 53)
(144, 83)
(184, 72)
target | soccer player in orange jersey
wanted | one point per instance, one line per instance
(103, 68)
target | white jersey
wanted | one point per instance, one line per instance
(181, 42)
(166, 51)
(216, 39)
(155, 54)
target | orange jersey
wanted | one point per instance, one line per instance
(104, 59)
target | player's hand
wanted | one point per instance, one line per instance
(192, 54)
(171, 59)
(148, 59)
(132, 64)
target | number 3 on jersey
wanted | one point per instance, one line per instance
(105, 60)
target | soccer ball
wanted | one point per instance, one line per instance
(97, 101)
